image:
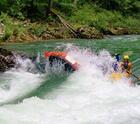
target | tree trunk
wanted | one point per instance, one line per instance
(76, 33)
(75, 3)
(49, 7)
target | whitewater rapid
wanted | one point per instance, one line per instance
(86, 97)
(17, 82)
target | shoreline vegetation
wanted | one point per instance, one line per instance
(65, 19)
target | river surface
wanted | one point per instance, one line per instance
(86, 96)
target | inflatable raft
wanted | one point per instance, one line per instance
(117, 76)
(55, 56)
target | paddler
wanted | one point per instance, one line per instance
(126, 66)
(116, 73)
(116, 64)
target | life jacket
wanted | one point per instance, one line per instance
(125, 65)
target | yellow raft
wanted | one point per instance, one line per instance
(115, 76)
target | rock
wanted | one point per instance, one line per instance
(7, 60)
(90, 32)
(58, 36)
(46, 36)
(118, 31)
(28, 37)
(32, 37)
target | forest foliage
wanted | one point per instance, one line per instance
(100, 14)
(39, 8)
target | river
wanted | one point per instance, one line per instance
(86, 96)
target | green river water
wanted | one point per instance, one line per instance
(83, 97)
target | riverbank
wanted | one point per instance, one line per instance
(15, 30)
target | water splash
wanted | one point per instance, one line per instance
(18, 81)
(87, 97)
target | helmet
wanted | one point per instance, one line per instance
(126, 57)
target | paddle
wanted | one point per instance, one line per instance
(136, 82)
(133, 75)
(138, 78)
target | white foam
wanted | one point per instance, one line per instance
(16, 83)
(87, 97)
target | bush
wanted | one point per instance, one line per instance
(37, 29)
(102, 18)
(8, 22)
(11, 26)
